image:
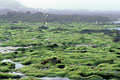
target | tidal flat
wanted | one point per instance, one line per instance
(59, 51)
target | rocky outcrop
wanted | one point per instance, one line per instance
(53, 60)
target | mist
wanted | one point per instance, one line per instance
(102, 5)
(10, 4)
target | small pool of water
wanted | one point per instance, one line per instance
(16, 73)
(116, 28)
(54, 78)
(17, 64)
(79, 45)
(7, 49)
(10, 49)
(0, 43)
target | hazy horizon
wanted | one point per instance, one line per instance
(101, 5)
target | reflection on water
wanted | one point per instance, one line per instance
(53, 78)
(7, 49)
(116, 28)
(10, 49)
(79, 45)
(0, 43)
(16, 73)
(17, 65)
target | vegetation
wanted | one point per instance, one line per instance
(76, 50)
(42, 17)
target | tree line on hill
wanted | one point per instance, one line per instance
(44, 17)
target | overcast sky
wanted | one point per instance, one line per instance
(73, 4)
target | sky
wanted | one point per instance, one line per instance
(102, 5)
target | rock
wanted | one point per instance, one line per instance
(43, 27)
(15, 27)
(61, 66)
(16, 52)
(31, 50)
(52, 45)
(53, 60)
(118, 53)
(111, 50)
(118, 56)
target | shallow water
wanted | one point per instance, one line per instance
(79, 45)
(0, 43)
(116, 28)
(10, 49)
(72, 51)
(17, 65)
(7, 49)
(16, 73)
(54, 78)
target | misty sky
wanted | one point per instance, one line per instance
(73, 4)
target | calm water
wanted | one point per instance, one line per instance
(17, 64)
(53, 78)
(116, 28)
(7, 49)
